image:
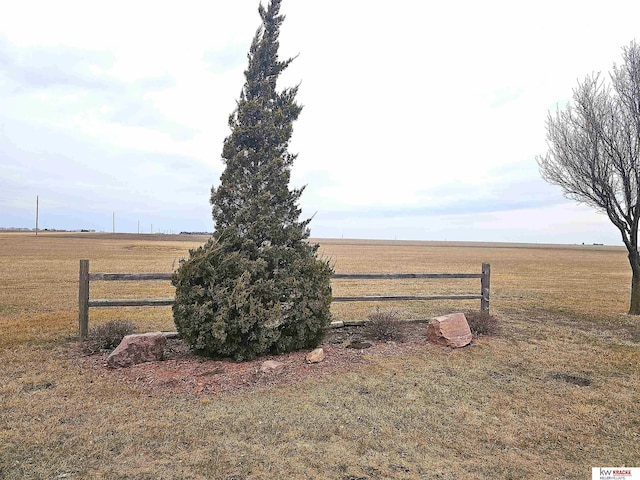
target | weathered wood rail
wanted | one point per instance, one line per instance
(85, 278)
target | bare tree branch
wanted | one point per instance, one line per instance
(594, 152)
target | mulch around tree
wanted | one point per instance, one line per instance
(182, 371)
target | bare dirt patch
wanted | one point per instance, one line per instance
(182, 371)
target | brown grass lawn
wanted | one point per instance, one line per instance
(555, 394)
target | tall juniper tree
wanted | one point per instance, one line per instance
(257, 286)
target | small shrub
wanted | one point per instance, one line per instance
(384, 326)
(482, 323)
(107, 335)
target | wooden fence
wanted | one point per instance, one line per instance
(84, 302)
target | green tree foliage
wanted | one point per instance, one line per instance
(257, 286)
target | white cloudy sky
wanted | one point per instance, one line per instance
(422, 119)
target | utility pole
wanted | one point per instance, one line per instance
(113, 222)
(138, 227)
(37, 212)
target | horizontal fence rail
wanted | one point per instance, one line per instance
(389, 276)
(135, 277)
(391, 298)
(84, 302)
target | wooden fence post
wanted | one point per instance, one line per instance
(83, 299)
(485, 287)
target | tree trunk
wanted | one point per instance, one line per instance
(634, 260)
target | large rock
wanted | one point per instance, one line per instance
(316, 356)
(449, 330)
(271, 366)
(134, 349)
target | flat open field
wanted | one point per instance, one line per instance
(553, 395)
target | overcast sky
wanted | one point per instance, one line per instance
(421, 119)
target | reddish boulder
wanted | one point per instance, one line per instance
(316, 356)
(271, 366)
(449, 330)
(134, 349)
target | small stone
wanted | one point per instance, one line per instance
(449, 330)
(140, 348)
(271, 366)
(316, 356)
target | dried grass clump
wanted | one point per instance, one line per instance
(482, 323)
(384, 326)
(107, 335)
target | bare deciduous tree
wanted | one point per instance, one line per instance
(594, 152)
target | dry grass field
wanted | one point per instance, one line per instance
(556, 393)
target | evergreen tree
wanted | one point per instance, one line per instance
(257, 286)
